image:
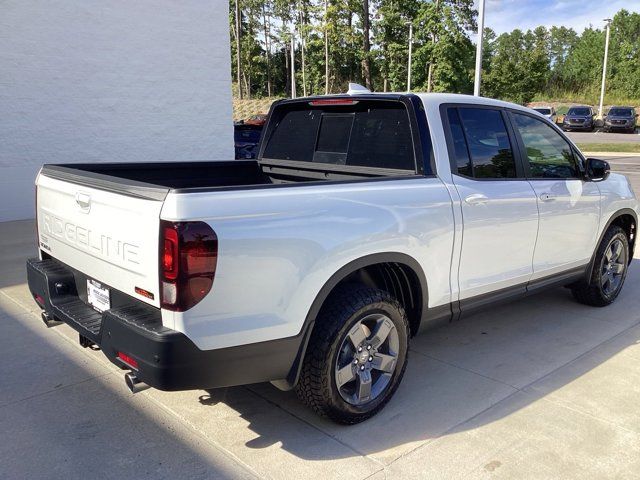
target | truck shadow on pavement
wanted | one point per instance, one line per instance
(462, 376)
(64, 414)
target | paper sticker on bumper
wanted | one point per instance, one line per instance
(98, 296)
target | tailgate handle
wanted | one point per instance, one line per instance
(84, 201)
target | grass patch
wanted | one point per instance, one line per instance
(243, 109)
(610, 147)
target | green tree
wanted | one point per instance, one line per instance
(367, 41)
(561, 41)
(391, 37)
(519, 67)
(583, 66)
(444, 53)
(625, 54)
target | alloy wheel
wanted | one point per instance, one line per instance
(614, 264)
(367, 359)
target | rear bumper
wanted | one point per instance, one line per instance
(166, 359)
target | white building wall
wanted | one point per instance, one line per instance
(110, 81)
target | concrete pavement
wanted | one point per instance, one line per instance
(604, 137)
(543, 388)
(626, 165)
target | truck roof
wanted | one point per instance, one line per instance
(440, 98)
(429, 99)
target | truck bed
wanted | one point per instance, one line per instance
(172, 175)
(154, 180)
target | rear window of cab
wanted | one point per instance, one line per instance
(358, 133)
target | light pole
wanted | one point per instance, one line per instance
(604, 66)
(293, 65)
(476, 83)
(410, 52)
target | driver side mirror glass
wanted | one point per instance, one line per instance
(597, 170)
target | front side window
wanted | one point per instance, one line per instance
(488, 143)
(549, 155)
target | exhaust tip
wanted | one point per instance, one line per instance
(134, 384)
(48, 320)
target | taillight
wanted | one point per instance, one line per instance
(188, 257)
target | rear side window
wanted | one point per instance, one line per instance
(484, 133)
(368, 133)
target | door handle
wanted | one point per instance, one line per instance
(476, 199)
(547, 197)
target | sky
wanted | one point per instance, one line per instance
(506, 15)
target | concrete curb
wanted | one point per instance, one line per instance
(611, 154)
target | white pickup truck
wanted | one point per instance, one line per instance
(365, 219)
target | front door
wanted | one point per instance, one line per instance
(569, 206)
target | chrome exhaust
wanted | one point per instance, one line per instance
(134, 383)
(48, 320)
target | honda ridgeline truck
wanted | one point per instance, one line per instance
(365, 219)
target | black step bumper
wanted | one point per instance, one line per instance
(165, 359)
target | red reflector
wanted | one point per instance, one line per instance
(144, 293)
(39, 299)
(332, 101)
(132, 362)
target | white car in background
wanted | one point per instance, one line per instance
(548, 112)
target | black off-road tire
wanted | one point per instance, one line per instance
(591, 292)
(343, 309)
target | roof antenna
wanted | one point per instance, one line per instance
(355, 88)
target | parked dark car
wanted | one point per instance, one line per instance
(579, 117)
(246, 139)
(620, 118)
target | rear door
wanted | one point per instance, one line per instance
(110, 237)
(500, 215)
(569, 206)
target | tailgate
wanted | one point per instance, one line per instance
(109, 236)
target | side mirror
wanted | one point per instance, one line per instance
(597, 170)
